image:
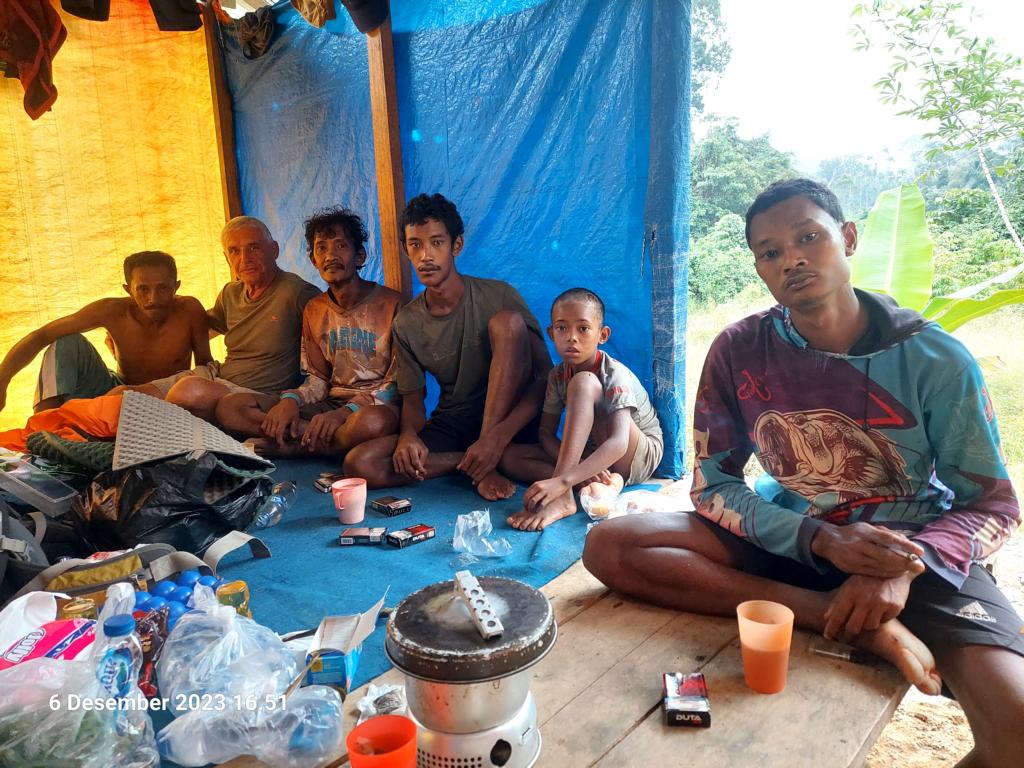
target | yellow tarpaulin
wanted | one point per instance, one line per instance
(126, 161)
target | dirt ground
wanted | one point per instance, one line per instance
(930, 731)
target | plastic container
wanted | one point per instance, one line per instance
(385, 741)
(33, 486)
(274, 507)
(766, 631)
(119, 658)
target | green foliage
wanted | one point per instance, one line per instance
(727, 172)
(964, 83)
(963, 88)
(895, 257)
(721, 264)
(894, 254)
(710, 49)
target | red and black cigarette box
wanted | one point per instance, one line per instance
(686, 700)
(414, 534)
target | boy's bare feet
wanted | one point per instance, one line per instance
(563, 506)
(905, 651)
(495, 486)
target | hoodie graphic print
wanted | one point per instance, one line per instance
(899, 432)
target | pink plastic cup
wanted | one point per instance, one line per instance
(390, 740)
(350, 499)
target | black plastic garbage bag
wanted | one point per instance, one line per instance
(188, 502)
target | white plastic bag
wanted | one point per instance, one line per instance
(215, 655)
(302, 731)
(45, 722)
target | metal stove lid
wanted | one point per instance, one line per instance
(431, 634)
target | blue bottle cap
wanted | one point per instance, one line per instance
(180, 595)
(117, 626)
(141, 597)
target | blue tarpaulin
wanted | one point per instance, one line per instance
(560, 129)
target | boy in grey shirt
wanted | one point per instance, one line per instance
(611, 433)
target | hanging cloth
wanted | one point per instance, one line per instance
(91, 10)
(31, 33)
(316, 12)
(176, 15)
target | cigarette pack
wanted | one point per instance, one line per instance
(412, 535)
(362, 535)
(391, 505)
(686, 700)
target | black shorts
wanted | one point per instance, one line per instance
(938, 613)
(454, 432)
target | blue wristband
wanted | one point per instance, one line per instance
(292, 396)
(352, 407)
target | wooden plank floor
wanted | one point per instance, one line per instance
(598, 692)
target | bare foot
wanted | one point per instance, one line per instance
(905, 651)
(269, 449)
(561, 507)
(614, 485)
(495, 486)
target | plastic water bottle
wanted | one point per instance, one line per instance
(273, 508)
(119, 658)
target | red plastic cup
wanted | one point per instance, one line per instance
(391, 738)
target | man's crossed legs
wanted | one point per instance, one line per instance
(685, 562)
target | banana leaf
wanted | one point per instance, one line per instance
(894, 255)
(952, 313)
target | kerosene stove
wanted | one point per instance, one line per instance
(466, 648)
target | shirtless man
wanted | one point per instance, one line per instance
(153, 334)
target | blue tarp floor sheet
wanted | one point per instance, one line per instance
(310, 575)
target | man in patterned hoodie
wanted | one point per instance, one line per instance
(886, 486)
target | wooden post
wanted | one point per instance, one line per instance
(223, 119)
(387, 148)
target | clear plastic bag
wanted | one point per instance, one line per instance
(599, 500)
(471, 536)
(213, 654)
(301, 732)
(44, 721)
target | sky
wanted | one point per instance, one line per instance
(794, 74)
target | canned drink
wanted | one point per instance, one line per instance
(78, 608)
(235, 594)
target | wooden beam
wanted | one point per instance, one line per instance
(223, 118)
(387, 148)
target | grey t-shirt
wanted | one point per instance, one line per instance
(622, 389)
(262, 336)
(456, 348)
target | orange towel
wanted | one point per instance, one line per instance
(96, 417)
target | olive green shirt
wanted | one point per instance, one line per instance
(454, 349)
(263, 336)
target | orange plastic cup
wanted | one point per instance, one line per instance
(390, 738)
(766, 630)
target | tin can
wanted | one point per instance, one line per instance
(235, 594)
(78, 608)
